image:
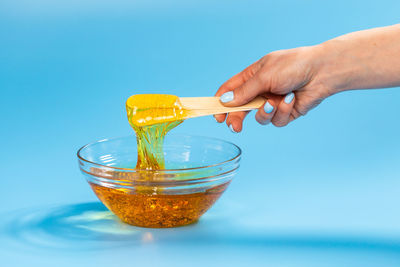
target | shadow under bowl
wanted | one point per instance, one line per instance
(197, 171)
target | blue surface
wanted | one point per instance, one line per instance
(323, 191)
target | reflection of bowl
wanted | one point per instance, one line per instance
(198, 170)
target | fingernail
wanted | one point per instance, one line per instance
(289, 98)
(268, 108)
(231, 127)
(227, 97)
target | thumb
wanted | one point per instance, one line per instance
(245, 93)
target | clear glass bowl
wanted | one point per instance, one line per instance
(197, 171)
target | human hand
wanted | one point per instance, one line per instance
(287, 78)
(296, 80)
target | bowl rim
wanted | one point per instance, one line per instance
(237, 156)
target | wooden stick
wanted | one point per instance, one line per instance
(203, 106)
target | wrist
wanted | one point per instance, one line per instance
(333, 68)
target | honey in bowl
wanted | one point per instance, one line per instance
(158, 210)
(152, 117)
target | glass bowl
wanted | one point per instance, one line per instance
(197, 171)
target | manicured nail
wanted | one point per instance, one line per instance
(231, 127)
(227, 97)
(289, 98)
(268, 108)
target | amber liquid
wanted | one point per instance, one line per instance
(152, 117)
(152, 206)
(160, 210)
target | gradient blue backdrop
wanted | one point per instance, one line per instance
(323, 191)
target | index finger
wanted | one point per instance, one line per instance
(238, 79)
(234, 82)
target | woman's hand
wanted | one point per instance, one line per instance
(296, 80)
(287, 79)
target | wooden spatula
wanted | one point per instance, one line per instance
(203, 106)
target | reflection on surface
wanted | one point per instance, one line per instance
(90, 226)
(69, 226)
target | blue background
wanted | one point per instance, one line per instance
(323, 191)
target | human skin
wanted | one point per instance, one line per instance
(295, 81)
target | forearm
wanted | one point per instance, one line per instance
(360, 60)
